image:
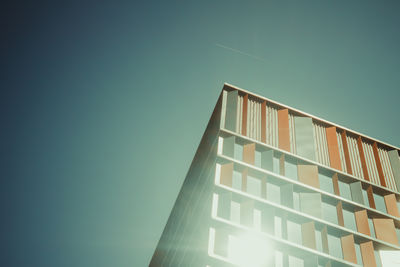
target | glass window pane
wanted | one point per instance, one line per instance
(349, 220)
(235, 212)
(291, 169)
(257, 160)
(335, 247)
(257, 219)
(365, 196)
(371, 227)
(294, 232)
(237, 180)
(295, 262)
(253, 186)
(278, 258)
(238, 152)
(344, 189)
(275, 162)
(380, 203)
(278, 226)
(329, 213)
(296, 200)
(325, 183)
(358, 253)
(318, 239)
(378, 259)
(273, 193)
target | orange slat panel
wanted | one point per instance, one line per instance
(264, 122)
(283, 129)
(346, 152)
(333, 148)
(367, 254)
(391, 205)
(362, 222)
(362, 158)
(249, 153)
(385, 230)
(378, 164)
(308, 174)
(348, 248)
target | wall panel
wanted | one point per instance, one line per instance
(283, 124)
(333, 148)
(385, 230)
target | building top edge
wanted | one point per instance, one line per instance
(309, 115)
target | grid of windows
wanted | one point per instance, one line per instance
(283, 189)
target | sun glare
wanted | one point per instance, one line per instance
(249, 250)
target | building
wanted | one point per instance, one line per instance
(274, 186)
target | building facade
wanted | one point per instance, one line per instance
(273, 186)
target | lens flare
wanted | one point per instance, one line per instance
(249, 250)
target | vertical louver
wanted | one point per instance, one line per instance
(321, 144)
(341, 152)
(292, 134)
(254, 119)
(371, 165)
(387, 169)
(355, 157)
(239, 114)
(272, 126)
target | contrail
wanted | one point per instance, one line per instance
(240, 52)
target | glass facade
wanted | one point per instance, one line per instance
(283, 188)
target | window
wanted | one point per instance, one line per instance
(371, 227)
(237, 180)
(295, 262)
(344, 189)
(290, 169)
(325, 183)
(273, 193)
(318, 239)
(253, 186)
(380, 203)
(349, 220)
(257, 159)
(257, 219)
(365, 196)
(335, 246)
(235, 212)
(275, 163)
(294, 232)
(238, 152)
(329, 213)
(278, 226)
(296, 201)
(278, 258)
(358, 253)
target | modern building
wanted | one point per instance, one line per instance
(274, 186)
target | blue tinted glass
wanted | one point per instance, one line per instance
(344, 189)
(325, 183)
(329, 213)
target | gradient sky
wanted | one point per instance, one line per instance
(103, 106)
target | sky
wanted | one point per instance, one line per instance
(104, 104)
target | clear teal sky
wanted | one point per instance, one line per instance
(103, 106)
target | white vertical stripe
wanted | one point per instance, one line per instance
(276, 128)
(241, 115)
(341, 152)
(368, 163)
(315, 143)
(238, 115)
(248, 120)
(325, 146)
(269, 125)
(387, 169)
